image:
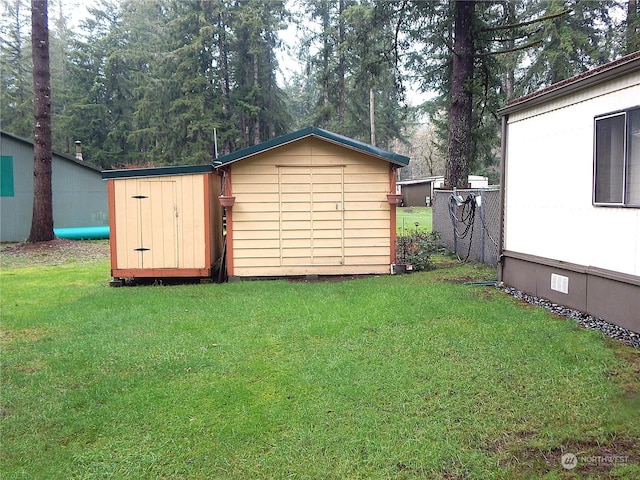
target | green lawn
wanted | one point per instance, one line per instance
(407, 217)
(416, 376)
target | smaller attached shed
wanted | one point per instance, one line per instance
(310, 203)
(78, 192)
(164, 222)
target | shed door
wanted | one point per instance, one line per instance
(157, 245)
(311, 215)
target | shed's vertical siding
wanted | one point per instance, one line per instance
(166, 222)
(335, 218)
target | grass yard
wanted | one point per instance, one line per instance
(404, 377)
(407, 217)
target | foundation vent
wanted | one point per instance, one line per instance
(559, 283)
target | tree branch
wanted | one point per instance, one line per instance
(516, 37)
(509, 50)
(530, 22)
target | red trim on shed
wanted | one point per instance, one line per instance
(160, 272)
(111, 198)
(207, 219)
(392, 215)
(229, 210)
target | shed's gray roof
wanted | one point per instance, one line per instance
(156, 171)
(62, 156)
(341, 140)
(627, 64)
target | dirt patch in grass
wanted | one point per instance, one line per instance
(26, 334)
(584, 458)
(54, 252)
(631, 374)
(464, 279)
(327, 278)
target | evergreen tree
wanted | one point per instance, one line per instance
(62, 39)
(349, 51)
(260, 112)
(42, 218)
(89, 112)
(632, 27)
(562, 38)
(176, 116)
(16, 92)
(374, 87)
(576, 37)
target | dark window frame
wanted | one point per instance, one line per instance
(597, 200)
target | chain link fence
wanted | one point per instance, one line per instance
(469, 222)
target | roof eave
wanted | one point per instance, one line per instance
(63, 156)
(601, 76)
(394, 158)
(156, 171)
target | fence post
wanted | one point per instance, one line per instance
(482, 199)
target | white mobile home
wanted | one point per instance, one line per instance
(574, 238)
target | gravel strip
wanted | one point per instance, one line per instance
(592, 323)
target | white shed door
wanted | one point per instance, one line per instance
(311, 215)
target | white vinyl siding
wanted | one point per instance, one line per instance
(549, 207)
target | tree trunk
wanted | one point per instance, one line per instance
(460, 110)
(225, 82)
(372, 115)
(256, 85)
(633, 27)
(341, 68)
(326, 52)
(510, 80)
(42, 220)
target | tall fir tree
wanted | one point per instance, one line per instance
(16, 92)
(42, 218)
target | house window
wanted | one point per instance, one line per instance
(6, 176)
(617, 159)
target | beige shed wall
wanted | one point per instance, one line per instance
(310, 207)
(165, 215)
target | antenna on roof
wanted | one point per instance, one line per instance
(215, 144)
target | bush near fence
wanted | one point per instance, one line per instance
(470, 230)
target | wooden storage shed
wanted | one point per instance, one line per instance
(164, 222)
(310, 203)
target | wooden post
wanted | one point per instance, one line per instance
(392, 215)
(229, 210)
